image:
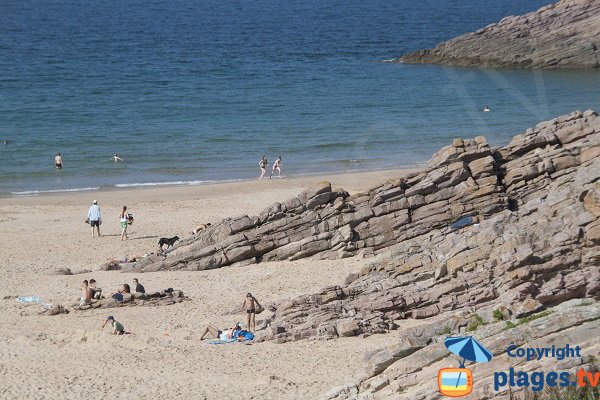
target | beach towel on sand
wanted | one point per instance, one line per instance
(246, 335)
(29, 299)
(221, 341)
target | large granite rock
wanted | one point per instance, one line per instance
(561, 35)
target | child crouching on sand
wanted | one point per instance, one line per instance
(118, 328)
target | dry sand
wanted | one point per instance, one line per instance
(47, 357)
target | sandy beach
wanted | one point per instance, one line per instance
(47, 357)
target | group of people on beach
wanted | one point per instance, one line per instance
(264, 163)
(252, 307)
(91, 293)
(94, 218)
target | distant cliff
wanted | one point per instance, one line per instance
(561, 35)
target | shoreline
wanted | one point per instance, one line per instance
(187, 183)
(287, 182)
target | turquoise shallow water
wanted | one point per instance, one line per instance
(199, 91)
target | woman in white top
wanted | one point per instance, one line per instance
(124, 220)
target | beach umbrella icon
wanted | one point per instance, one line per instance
(469, 349)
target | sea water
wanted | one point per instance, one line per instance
(188, 92)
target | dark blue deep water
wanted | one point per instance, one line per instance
(193, 91)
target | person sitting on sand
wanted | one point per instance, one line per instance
(139, 288)
(216, 333)
(96, 291)
(276, 166)
(125, 289)
(250, 304)
(116, 158)
(118, 328)
(86, 294)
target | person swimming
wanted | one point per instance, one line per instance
(486, 109)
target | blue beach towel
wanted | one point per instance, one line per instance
(221, 341)
(29, 299)
(246, 335)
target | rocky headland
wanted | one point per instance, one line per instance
(561, 35)
(498, 242)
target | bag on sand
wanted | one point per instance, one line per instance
(259, 309)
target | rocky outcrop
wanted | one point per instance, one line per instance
(408, 369)
(561, 35)
(531, 237)
(323, 222)
(535, 244)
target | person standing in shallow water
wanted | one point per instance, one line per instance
(263, 166)
(124, 219)
(276, 166)
(58, 161)
(116, 158)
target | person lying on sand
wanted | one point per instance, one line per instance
(118, 328)
(216, 333)
(250, 304)
(200, 228)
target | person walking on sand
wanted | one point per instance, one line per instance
(124, 219)
(116, 158)
(94, 217)
(58, 161)
(250, 304)
(118, 328)
(276, 166)
(263, 166)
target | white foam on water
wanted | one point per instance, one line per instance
(36, 192)
(173, 183)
